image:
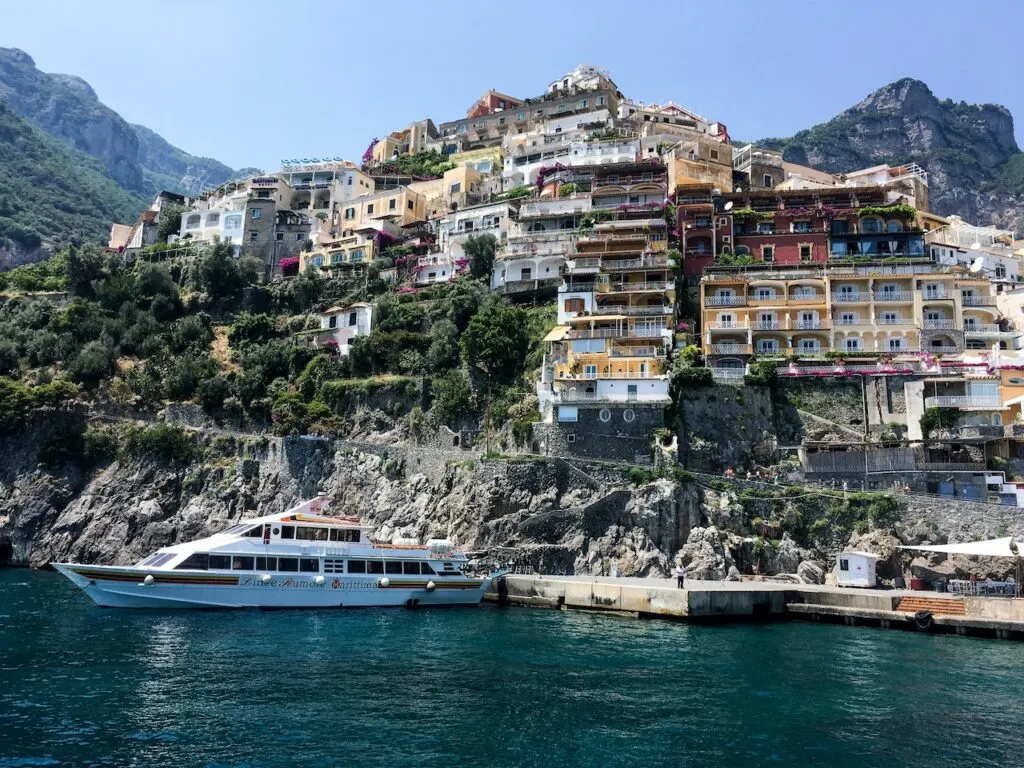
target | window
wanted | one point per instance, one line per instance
(801, 226)
(765, 293)
(808, 345)
(455, 188)
(870, 225)
(605, 415)
(805, 253)
(242, 563)
(408, 205)
(570, 438)
(349, 181)
(300, 236)
(895, 344)
(600, 101)
(628, 415)
(306, 533)
(714, 154)
(426, 569)
(767, 346)
(890, 318)
(196, 562)
(588, 346)
(288, 564)
(583, 103)
(893, 226)
(287, 531)
(411, 569)
(844, 564)
(344, 534)
(768, 252)
(768, 181)
(567, 413)
(590, 371)
(374, 566)
(254, 236)
(256, 213)
(280, 235)
(220, 562)
(393, 566)
(764, 228)
(357, 566)
(350, 213)
(847, 318)
(352, 316)
(369, 209)
(391, 204)
(192, 222)
(332, 565)
(266, 563)
(520, 115)
(840, 226)
(852, 345)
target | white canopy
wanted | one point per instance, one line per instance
(990, 548)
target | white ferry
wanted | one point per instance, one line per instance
(300, 559)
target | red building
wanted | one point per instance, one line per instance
(491, 102)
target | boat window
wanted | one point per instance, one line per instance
(309, 565)
(357, 566)
(220, 562)
(375, 566)
(449, 573)
(266, 563)
(158, 559)
(393, 566)
(287, 531)
(234, 529)
(425, 568)
(311, 534)
(256, 532)
(412, 568)
(344, 534)
(241, 563)
(200, 561)
(332, 565)
(288, 564)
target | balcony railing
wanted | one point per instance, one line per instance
(812, 298)
(963, 401)
(766, 325)
(584, 266)
(939, 325)
(979, 301)
(729, 324)
(724, 301)
(894, 296)
(525, 286)
(931, 295)
(625, 310)
(633, 352)
(728, 374)
(730, 349)
(647, 262)
(658, 285)
(812, 325)
(986, 328)
(851, 296)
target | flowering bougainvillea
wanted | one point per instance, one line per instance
(290, 266)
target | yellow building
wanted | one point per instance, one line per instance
(351, 250)
(699, 159)
(898, 310)
(401, 206)
(485, 160)
(459, 188)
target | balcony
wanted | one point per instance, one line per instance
(583, 266)
(812, 298)
(988, 402)
(935, 295)
(988, 329)
(940, 325)
(616, 333)
(812, 325)
(730, 349)
(851, 296)
(730, 325)
(724, 301)
(646, 262)
(894, 296)
(527, 286)
(767, 325)
(774, 300)
(728, 374)
(637, 287)
(546, 208)
(577, 287)
(979, 301)
(633, 352)
(626, 310)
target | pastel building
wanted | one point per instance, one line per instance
(339, 327)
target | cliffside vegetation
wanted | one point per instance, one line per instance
(52, 195)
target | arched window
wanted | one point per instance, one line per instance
(212, 219)
(870, 224)
(192, 222)
(894, 226)
(742, 250)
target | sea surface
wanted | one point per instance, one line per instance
(86, 686)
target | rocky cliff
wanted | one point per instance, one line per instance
(975, 167)
(67, 108)
(56, 505)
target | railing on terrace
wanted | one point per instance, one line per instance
(851, 296)
(727, 324)
(542, 208)
(524, 286)
(929, 295)
(658, 285)
(946, 466)
(984, 328)
(812, 325)
(979, 301)
(894, 296)
(625, 310)
(939, 325)
(647, 262)
(724, 301)
(767, 325)
(728, 374)
(614, 333)
(633, 352)
(963, 401)
(583, 265)
(730, 349)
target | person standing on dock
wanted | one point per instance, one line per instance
(680, 576)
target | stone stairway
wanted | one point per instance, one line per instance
(940, 606)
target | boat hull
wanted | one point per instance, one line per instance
(119, 587)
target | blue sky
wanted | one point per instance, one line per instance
(251, 83)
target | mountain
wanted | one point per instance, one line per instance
(51, 194)
(67, 108)
(975, 168)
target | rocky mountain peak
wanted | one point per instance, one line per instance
(17, 56)
(905, 96)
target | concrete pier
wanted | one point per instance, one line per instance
(706, 601)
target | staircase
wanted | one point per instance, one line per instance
(939, 606)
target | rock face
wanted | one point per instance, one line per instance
(968, 150)
(67, 108)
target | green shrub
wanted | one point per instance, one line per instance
(251, 329)
(452, 397)
(165, 443)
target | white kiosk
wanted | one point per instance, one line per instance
(855, 569)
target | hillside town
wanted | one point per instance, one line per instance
(678, 262)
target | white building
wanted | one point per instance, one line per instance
(856, 569)
(341, 326)
(961, 244)
(217, 218)
(457, 227)
(439, 268)
(585, 77)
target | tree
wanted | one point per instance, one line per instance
(84, 266)
(251, 329)
(496, 341)
(170, 222)
(480, 249)
(94, 363)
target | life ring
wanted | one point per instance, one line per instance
(924, 620)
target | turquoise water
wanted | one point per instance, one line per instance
(84, 686)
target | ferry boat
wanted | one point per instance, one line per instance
(302, 558)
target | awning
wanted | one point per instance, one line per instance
(989, 548)
(557, 333)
